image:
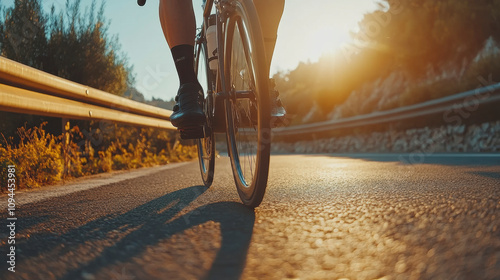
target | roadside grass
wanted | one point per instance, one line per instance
(43, 159)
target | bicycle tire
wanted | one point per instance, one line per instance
(248, 116)
(206, 145)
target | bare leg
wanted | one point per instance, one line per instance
(270, 12)
(178, 22)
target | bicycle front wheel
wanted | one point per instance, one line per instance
(247, 107)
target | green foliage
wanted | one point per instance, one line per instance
(23, 33)
(69, 44)
(80, 49)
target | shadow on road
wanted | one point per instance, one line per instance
(150, 224)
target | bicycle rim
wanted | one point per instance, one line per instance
(247, 108)
(206, 145)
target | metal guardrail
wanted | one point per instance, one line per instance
(24, 89)
(485, 95)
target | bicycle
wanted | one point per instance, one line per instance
(236, 94)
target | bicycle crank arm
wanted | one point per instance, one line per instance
(239, 94)
(242, 94)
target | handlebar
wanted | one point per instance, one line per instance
(141, 2)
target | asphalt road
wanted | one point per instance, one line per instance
(323, 217)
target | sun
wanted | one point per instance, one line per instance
(309, 30)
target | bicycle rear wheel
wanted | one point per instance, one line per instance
(206, 145)
(247, 108)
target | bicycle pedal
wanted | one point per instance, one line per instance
(192, 132)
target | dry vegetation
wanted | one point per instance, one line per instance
(43, 159)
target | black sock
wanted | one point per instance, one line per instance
(184, 60)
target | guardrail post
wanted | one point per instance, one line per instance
(65, 146)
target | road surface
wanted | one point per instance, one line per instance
(323, 217)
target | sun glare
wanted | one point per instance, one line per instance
(321, 40)
(309, 30)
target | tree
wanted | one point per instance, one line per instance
(81, 50)
(23, 33)
(405, 52)
(69, 44)
(431, 33)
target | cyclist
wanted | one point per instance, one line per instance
(179, 27)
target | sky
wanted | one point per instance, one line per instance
(308, 29)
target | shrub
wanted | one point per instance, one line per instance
(43, 159)
(37, 158)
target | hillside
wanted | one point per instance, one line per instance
(136, 95)
(406, 52)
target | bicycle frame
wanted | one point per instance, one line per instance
(222, 7)
(236, 99)
(219, 5)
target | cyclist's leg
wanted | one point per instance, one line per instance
(270, 12)
(179, 27)
(178, 22)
